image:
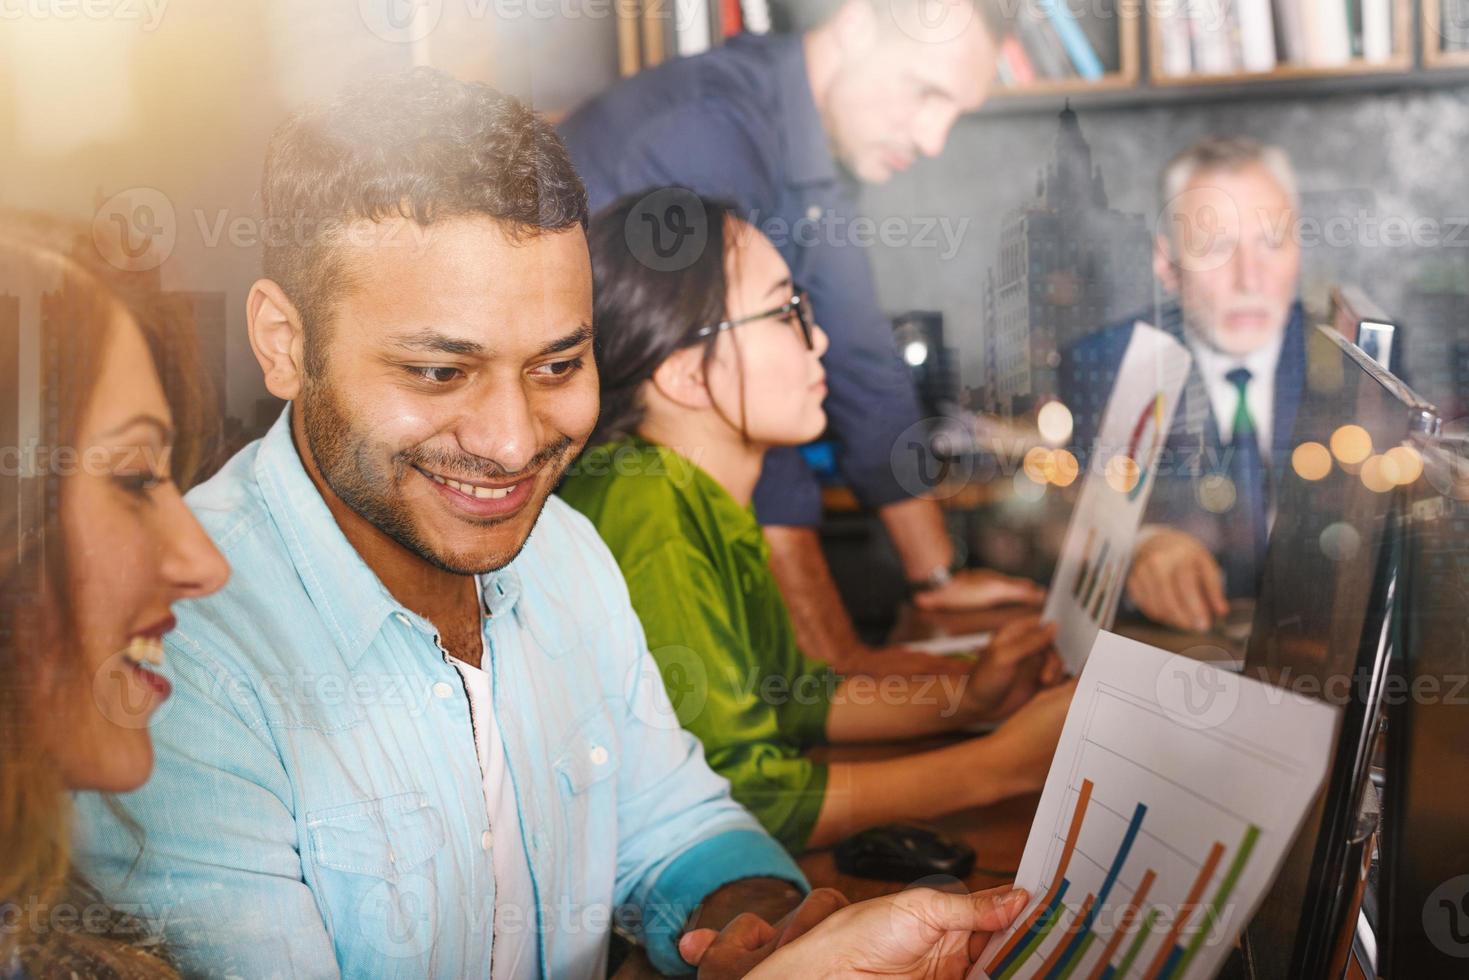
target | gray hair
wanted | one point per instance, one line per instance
(1229, 154)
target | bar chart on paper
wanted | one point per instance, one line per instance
(1171, 801)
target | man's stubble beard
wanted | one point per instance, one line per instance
(345, 460)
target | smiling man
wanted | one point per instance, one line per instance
(421, 734)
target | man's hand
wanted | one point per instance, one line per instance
(1028, 740)
(748, 939)
(1019, 662)
(916, 933)
(979, 588)
(1176, 581)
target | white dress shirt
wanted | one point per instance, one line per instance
(1214, 367)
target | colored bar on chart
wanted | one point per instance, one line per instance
(1047, 925)
(1073, 934)
(1104, 965)
(1058, 884)
(1086, 944)
(1216, 853)
(1143, 935)
(1086, 557)
(1096, 569)
(1072, 953)
(1226, 888)
(1102, 591)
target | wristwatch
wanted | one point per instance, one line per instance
(936, 579)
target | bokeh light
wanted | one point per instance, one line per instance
(1351, 444)
(1055, 423)
(1311, 461)
(1037, 464)
(1064, 468)
(1027, 489)
(1379, 474)
(1122, 473)
(1340, 542)
(1217, 493)
(1409, 463)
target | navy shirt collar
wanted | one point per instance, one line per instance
(808, 156)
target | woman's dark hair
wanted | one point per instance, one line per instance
(658, 277)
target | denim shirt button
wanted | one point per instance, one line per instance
(486, 840)
(443, 691)
(401, 618)
(599, 755)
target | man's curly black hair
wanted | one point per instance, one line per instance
(418, 144)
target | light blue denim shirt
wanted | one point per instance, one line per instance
(317, 807)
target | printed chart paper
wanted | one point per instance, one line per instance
(1174, 794)
(1097, 550)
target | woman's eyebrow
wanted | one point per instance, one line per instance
(165, 431)
(780, 287)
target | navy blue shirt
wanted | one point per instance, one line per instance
(739, 124)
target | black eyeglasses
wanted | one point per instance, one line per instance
(797, 307)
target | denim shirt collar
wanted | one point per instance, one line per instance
(352, 600)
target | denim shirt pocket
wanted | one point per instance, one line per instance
(588, 756)
(375, 876)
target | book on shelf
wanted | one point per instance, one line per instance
(1043, 47)
(1454, 25)
(1073, 39)
(1220, 37)
(1016, 61)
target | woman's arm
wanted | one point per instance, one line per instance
(1014, 760)
(875, 709)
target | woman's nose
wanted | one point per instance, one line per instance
(192, 566)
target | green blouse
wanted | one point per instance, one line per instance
(698, 569)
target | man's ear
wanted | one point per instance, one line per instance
(854, 26)
(1164, 268)
(277, 338)
(680, 378)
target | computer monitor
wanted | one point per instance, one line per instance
(1322, 624)
(1422, 896)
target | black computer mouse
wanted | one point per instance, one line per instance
(902, 852)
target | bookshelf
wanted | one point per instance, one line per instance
(1428, 47)
(1164, 16)
(1121, 58)
(1445, 34)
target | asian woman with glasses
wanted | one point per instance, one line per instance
(708, 360)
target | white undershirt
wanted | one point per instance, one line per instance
(515, 954)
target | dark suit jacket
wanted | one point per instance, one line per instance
(1194, 450)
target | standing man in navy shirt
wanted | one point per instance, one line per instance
(784, 127)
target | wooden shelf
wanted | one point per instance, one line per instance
(1435, 58)
(1401, 61)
